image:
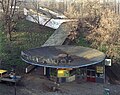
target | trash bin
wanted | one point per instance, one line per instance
(106, 91)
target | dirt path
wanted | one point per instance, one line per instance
(34, 85)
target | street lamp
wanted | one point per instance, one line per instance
(14, 77)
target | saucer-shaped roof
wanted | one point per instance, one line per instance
(62, 56)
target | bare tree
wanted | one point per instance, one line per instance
(36, 6)
(104, 28)
(72, 11)
(9, 8)
(37, 11)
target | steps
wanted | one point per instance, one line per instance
(59, 36)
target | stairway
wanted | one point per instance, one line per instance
(59, 36)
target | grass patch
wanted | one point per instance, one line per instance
(28, 35)
(82, 42)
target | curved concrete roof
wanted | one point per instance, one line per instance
(55, 56)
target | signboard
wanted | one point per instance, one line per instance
(63, 73)
(108, 62)
(99, 69)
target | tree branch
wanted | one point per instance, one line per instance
(2, 4)
(14, 7)
(47, 21)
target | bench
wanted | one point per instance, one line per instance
(7, 79)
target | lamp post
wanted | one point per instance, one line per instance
(14, 77)
(15, 84)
